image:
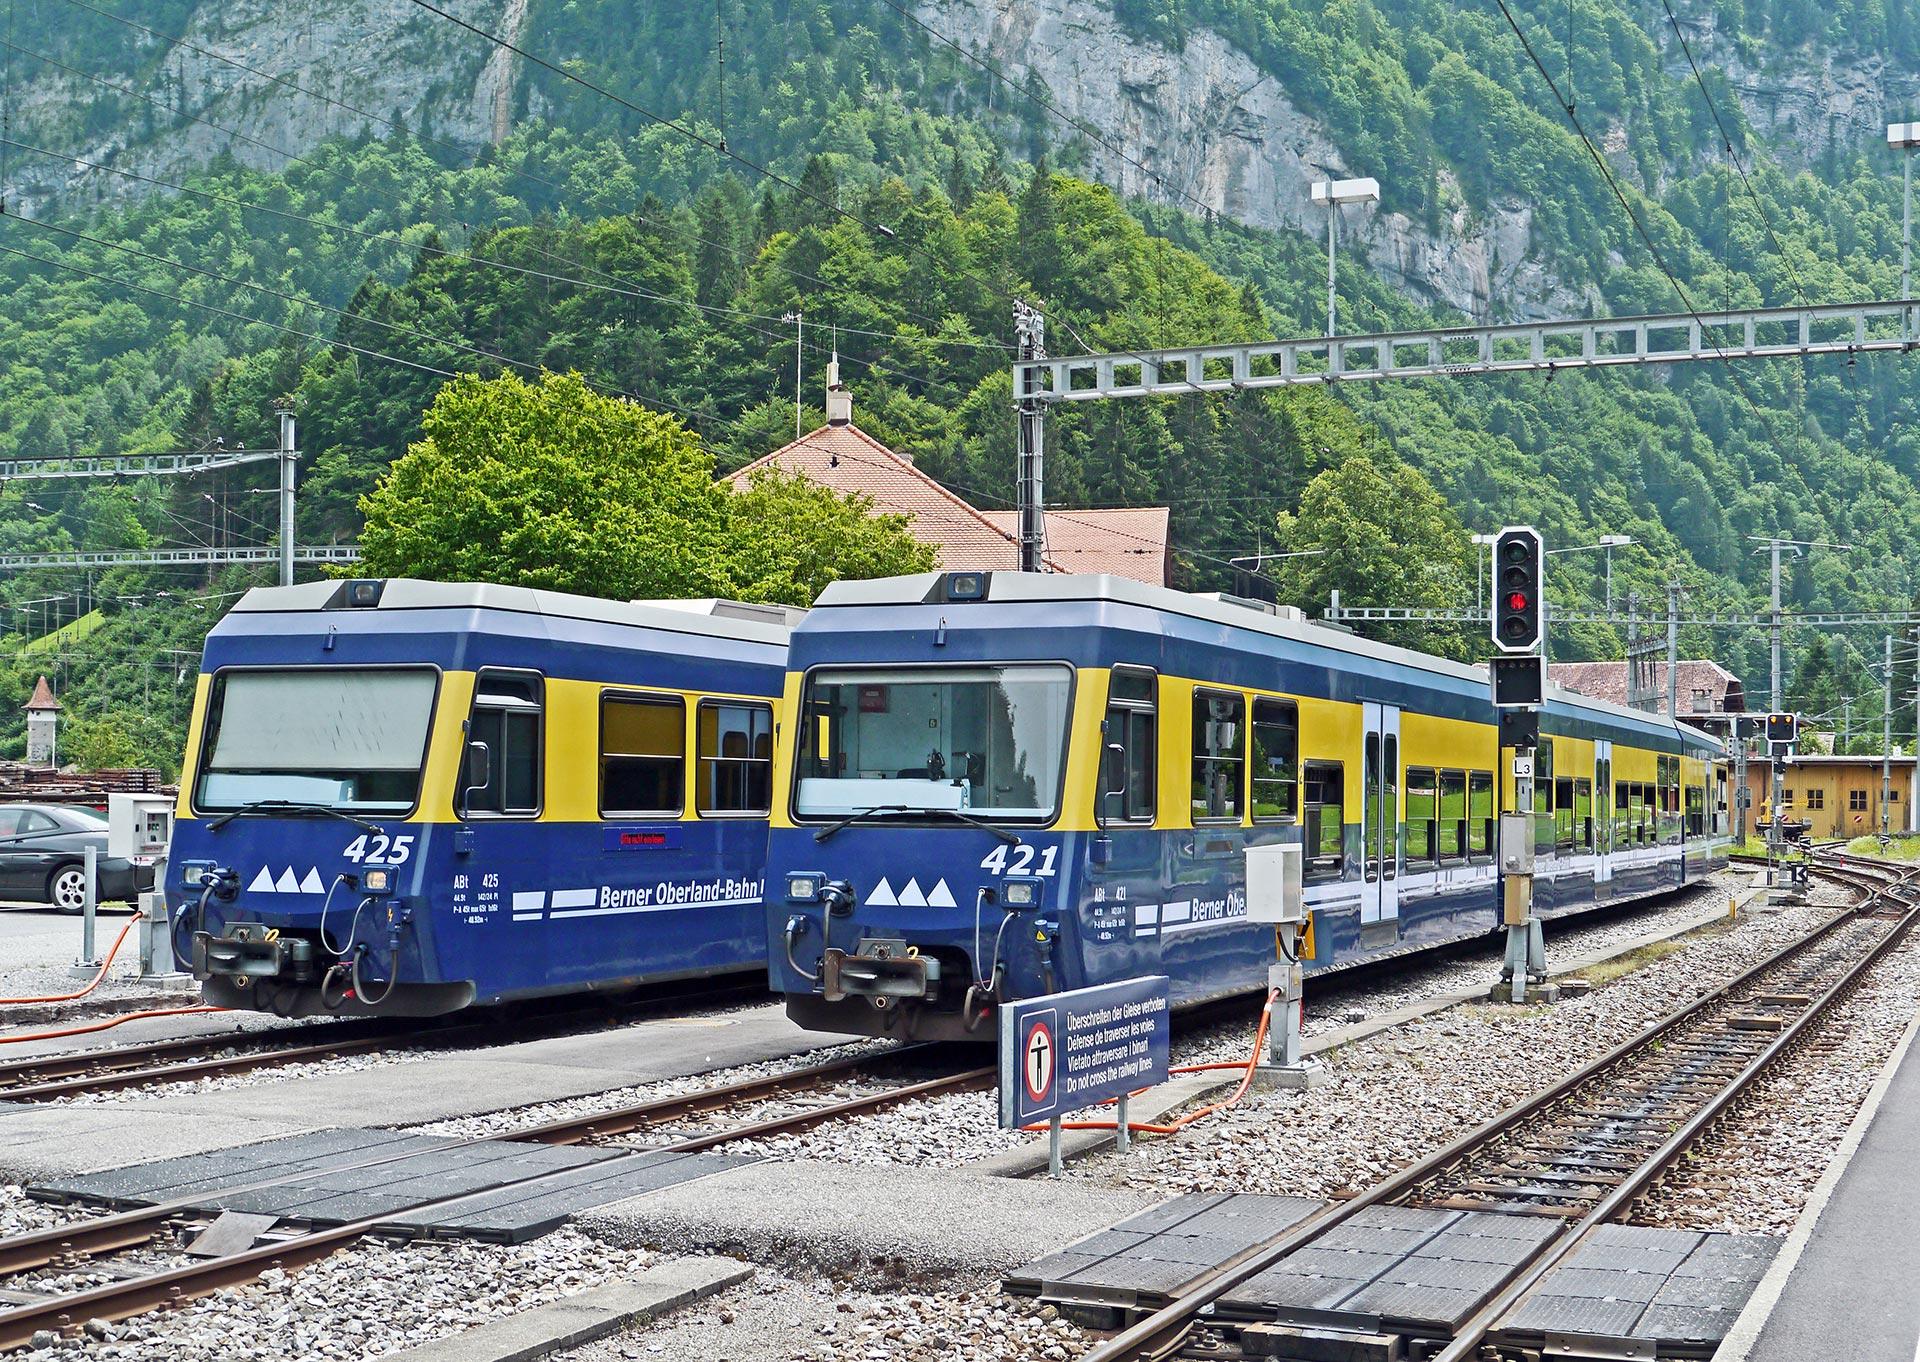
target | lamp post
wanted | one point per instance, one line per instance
(799, 320)
(1334, 193)
(1904, 137)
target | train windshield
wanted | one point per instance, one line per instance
(989, 740)
(343, 737)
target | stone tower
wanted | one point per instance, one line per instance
(43, 717)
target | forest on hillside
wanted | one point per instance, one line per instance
(358, 274)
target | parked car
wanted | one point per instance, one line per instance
(42, 856)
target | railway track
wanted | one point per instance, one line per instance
(45, 1078)
(83, 1245)
(1582, 1153)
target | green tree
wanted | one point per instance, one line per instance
(1383, 536)
(552, 484)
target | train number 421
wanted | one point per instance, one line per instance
(1006, 860)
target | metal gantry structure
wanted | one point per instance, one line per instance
(286, 553)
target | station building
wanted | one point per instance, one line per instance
(1838, 796)
(1129, 542)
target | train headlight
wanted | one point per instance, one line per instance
(1020, 892)
(376, 880)
(803, 888)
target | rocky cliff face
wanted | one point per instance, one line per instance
(1207, 122)
(258, 79)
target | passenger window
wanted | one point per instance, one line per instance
(643, 756)
(1543, 797)
(1563, 813)
(507, 717)
(1451, 841)
(1129, 778)
(1583, 814)
(1324, 827)
(34, 821)
(1480, 815)
(1276, 761)
(736, 758)
(1420, 816)
(1218, 754)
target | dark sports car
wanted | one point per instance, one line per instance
(42, 856)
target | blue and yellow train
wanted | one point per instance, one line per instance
(408, 797)
(998, 785)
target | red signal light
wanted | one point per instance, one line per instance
(1517, 600)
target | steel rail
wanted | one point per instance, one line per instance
(1157, 1334)
(1468, 1338)
(123, 1300)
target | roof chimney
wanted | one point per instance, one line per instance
(839, 400)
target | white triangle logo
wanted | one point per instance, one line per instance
(941, 897)
(286, 884)
(911, 897)
(882, 895)
(262, 883)
(311, 884)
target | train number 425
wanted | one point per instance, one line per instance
(379, 848)
(1006, 860)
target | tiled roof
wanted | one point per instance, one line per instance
(1128, 543)
(1608, 681)
(43, 696)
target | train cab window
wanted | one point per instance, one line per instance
(1451, 842)
(1129, 777)
(1276, 761)
(1324, 826)
(1480, 815)
(1583, 814)
(508, 709)
(1219, 752)
(1422, 836)
(736, 758)
(643, 756)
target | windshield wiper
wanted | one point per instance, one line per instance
(262, 807)
(822, 834)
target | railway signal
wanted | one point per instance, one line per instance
(1519, 575)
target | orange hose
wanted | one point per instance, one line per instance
(106, 1025)
(1175, 1126)
(105, 965)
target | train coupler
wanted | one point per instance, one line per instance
(880, 968)
(252, 950)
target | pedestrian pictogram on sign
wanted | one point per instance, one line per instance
(1037, 1069)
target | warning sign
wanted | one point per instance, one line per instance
(1066, 1051)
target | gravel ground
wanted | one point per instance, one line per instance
(960, 1128)
(1399, 1095)
(19, 1215)
(1754, 1175)
(366, 1302)
(520, 1118)
(775, 1318)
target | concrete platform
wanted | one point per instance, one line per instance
(871, 1223)
(507, 1192)
(42, 1141)
(1844, 1282)
(590, 1315)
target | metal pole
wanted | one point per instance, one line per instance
(287, 457)
(1906, 243)
(1030, 453)
(1886, 746)
(1609, 549)
(1053, 1148)
(1777, 704)
(1775, 700)
(1913, 786)
(1122, 1137)
(1673, 650)
(1333, 245)
(90, 865)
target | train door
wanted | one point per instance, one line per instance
(1380, 817)
(1602, 820)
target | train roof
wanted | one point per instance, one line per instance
(1010, 587)
(711, 617)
